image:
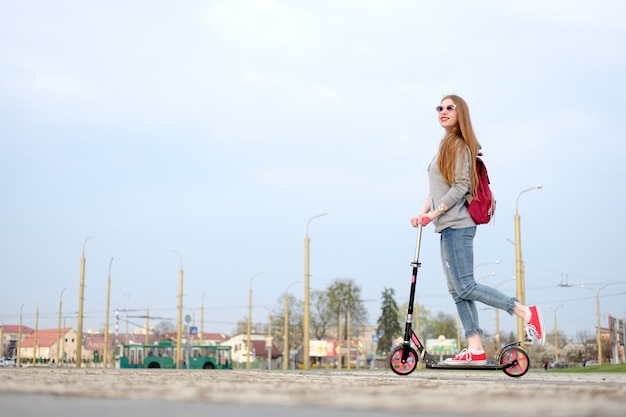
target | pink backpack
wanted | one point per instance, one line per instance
(482, 208)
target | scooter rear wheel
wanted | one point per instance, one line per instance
(403, 368)
(518, 357)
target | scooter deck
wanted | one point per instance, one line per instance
(468, 367)
(432, 362)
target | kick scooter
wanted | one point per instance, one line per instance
(512, 359)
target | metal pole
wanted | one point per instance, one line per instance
(249, 328)
(458, 333)
(269, 340)
(340, 337)
(36, 334)
(598, 334)
(519, 274)
(249, 333)
(59, 326)
(348, 337)
(19, 340)
(106, 320)
(307, 307)
(63, 343)
(117, 330)
(519, 263)
(179, 327)
(286, 333)
(556, 337)
(202, 321)
(498, 328)
(147, 337)
(81, 299)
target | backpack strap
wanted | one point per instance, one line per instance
(468, 196)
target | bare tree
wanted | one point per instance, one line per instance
(322, 317)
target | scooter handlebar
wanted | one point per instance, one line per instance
(425, 221)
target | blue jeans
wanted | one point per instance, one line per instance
(457, 256)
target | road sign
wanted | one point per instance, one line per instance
(193, 330)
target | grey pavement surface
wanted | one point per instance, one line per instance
(125, 392)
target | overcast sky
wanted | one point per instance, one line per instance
(219, 128)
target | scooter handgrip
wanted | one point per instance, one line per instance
(425, 221)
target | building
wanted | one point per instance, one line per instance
(260, 356)
(9, 336)
(48, 346)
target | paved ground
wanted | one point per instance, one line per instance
(154, 392)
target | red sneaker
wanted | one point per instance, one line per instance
(465, 357)
(535, 326)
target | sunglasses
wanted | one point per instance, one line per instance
(449, 107)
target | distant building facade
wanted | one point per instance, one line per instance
(48, 346)
(9, 338)
(260, 348)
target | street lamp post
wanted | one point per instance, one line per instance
(81, 298)
(286, 328)
(19, 340)
(63, 344)
(179, 324)
(59, 325)
(556, 337)
(126, 334)
(268, 340)
(307, 306)
(147, 335)
(36, 335)
(249, 343)
(106, 321)
(598, 335)
(519, 264)
(202, 321)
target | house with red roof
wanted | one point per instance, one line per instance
(9, 336)
(48, 346)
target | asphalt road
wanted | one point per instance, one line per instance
(154, 392)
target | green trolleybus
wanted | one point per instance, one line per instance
(163, 355)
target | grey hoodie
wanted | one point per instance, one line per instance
(452, 195)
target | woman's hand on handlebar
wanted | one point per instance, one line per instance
(421, 218)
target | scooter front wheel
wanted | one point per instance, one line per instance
(403, 368)
(518, 360)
